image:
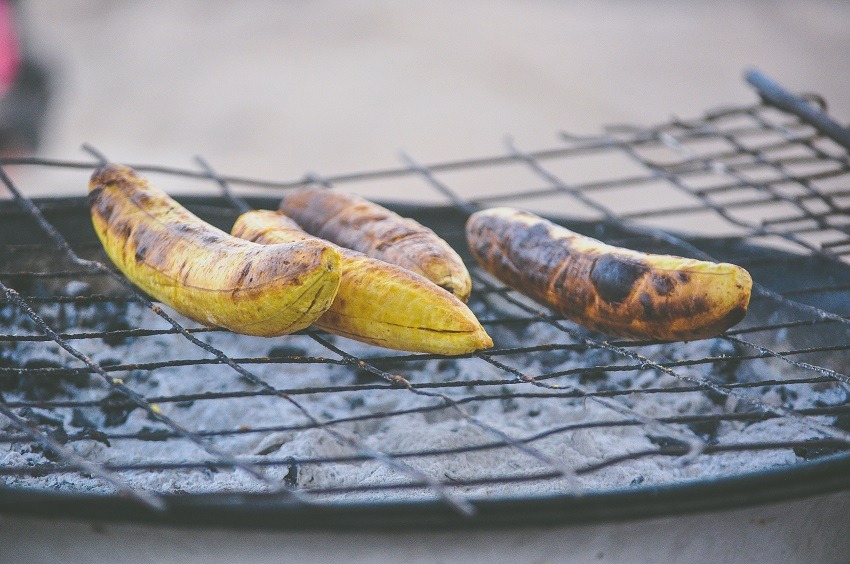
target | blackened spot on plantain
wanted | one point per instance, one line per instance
(475, 229)
(122, 229)
(244, 273)
(141, 251)
(699, 305)
(683, 277)
(105, 175)
(141, 198)
(580, 295)
(101, 204)
(648, 305)
(663, 284)
(535, 251)
(615, 277)
(532, 236)
(201, 232)
(563, 282)
(94, 196)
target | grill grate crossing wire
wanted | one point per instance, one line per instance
(773, 185)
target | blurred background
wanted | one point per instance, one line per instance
(276, 89)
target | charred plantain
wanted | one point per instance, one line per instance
(202, 272)
(380, 303)
(356, 223)
(610, 289)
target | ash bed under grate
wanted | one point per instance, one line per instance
(104, 392)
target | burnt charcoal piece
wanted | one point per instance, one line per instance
(151, 434)
(716, 398)
(447, 367)
(117, 410)
(40, 417)
(508, 403)
(102, 316)
(31, 387)
(445, 364)
(362, 376)
(556, 358)
(40, 386)
(787, 396)
(355, 402)
(843, 422)
(116, 324)
(79, 419)
(593, 376)
(89, 429)
(726, 370)
(48, 424)
(93, 434)
(291, 478)
(706, 429)
(48, 454)
(813, 452)
(668, 442)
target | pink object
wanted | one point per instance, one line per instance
(10, 53)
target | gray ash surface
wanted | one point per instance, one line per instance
(223, 407)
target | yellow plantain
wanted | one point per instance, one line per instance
(380, 303)
(202, 272)
(610, 289)
(356, 223)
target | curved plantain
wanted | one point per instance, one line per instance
(610, 289)
(202, 272)
(356, 223)
(380, 303)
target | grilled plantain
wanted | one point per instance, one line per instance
(202, 272)
(380, 303)
(356, 223)
(610, 289)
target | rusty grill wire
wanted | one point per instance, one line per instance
(727, 166)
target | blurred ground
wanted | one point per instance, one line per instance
(276, 89)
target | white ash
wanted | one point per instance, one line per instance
(517, 417)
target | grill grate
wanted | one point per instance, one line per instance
(769, 182)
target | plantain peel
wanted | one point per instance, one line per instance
(202, 272)
(380, 303)
(617, 291)
(356, 223)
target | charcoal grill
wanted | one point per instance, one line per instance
(764, 186)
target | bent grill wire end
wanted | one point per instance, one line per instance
(774, 94)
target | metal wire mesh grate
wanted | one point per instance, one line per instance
(770, 188)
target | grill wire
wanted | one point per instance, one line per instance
(729, 165)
